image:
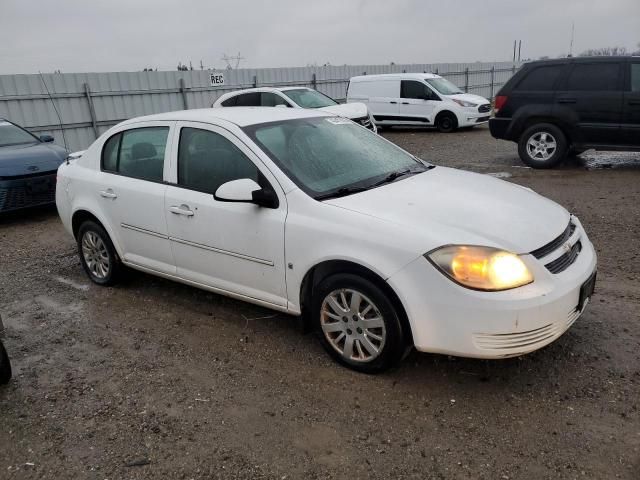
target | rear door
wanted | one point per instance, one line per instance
(591, 97)
(631, 105)
(381, 96)
(417, 102)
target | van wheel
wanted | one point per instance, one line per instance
(542, 146)
(97, 254)
(446, 122)
(357, 324)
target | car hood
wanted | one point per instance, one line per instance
(469, 97)
(31, 158)
(448, 206)
(347, 110)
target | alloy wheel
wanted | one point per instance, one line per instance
(541, 146)
(95, 255)
(353, 325)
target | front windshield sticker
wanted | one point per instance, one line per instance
(339, 121)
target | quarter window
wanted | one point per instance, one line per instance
(206, 160)
(594, 77)
(540, 79)
(635, 77)
(137, 153)
(268, 99)
(248, 100)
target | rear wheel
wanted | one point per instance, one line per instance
(542, 146)
(97, 254)
(446, 122)
(358, 325)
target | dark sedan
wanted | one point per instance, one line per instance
(28, 166)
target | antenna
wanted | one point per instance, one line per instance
(228, 59)
(64, 138)
(573, 29)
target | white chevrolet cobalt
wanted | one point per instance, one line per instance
(311, 214)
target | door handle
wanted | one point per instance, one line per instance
(566, 100)
(394, 103)
(108, 193)
(181, 210)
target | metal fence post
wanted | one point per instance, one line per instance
(466, 80)
(255, 81)
(184, 94)
(314, 81)
(92, 111)
(493, 70)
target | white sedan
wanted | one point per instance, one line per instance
(313, 215)
(297, 97)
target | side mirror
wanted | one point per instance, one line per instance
(246, 190)
(46, 138)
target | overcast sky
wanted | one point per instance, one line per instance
(128, 35)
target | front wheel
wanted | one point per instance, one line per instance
(542, 146)
(358, 325)
(446, 122)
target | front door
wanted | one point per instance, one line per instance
(236, 248)
(131, 191)
(416, 103)
(592, 98)
(631, 106)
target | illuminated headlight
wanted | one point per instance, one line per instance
(462, 103)
(481, 268)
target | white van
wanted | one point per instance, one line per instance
(418, 99)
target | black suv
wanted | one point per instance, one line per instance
(555, 108)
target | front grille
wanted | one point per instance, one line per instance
(555, 243)
(365, 122)
(482, 119)
(484, 108)
(28, 194)
(508, 341)
(563, 262)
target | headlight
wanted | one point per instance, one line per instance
(462, 103)
(481, 268)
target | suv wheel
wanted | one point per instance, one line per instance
(542, 146)
(97, 254)
(358, 325)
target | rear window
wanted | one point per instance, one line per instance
(540, 79)
(594, 77)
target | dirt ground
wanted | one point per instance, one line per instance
(153, 379)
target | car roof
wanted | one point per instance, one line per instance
(241, 116)
(589, 59)
(392, 76)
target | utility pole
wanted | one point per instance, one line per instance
(514, 50)
(573, 29)
(519, 49)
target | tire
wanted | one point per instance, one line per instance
(542, 146)
(97, 254)
(370, 341)
(446, 122)
(5, 366)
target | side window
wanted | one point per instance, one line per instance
(206, 160)
(271, 100)
(594, 77)
(110, 153)
(137, 153)
(540, 79)
(635, 77)
(230, 102)
(248, 100)
(414, 89)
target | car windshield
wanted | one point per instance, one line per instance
(331, 157)
(12, 135)
(443, 86)
(306, 98)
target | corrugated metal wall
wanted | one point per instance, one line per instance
(90, 103)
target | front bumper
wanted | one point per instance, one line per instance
(450, 319)
(27, 191)
(469, 119)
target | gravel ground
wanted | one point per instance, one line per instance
(153, 379)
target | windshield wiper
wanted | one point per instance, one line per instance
(341, 192)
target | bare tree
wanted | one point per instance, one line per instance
(605, 51)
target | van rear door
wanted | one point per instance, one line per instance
(381, 96)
